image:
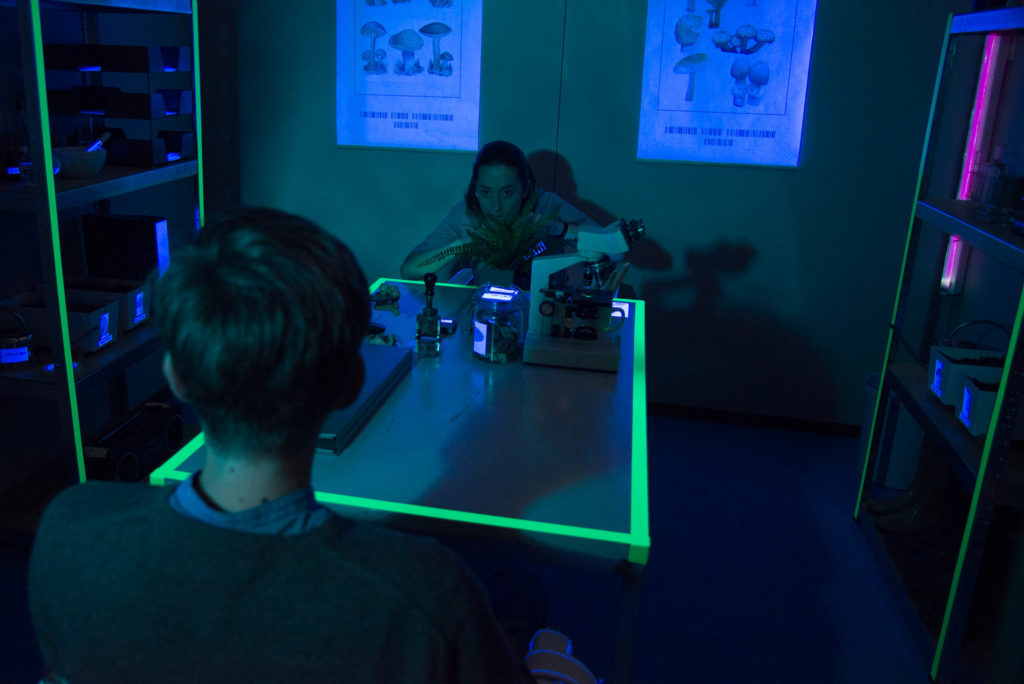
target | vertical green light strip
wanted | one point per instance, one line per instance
(997, 408)
(58, 265)
(903, 269)
(197, 105)
(639, 518)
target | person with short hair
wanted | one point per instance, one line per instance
(238, 574)
(502, 199)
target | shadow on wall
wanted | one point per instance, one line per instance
(554, 174)
(738, 358)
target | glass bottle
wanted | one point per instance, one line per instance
(498, 313)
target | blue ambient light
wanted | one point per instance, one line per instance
(49, 366)
(15, 355)
(937, 378)
(28, 164)
(163, 247)
(105, 335)
(169, 68)
(173, 156)
(965, 412)
(90, 68)
(140, 310)
(13, 171)
(94, 112)
(539, 249)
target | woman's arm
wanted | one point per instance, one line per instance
(438, 253)
(441, 260)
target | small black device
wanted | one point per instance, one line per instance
(125, 247)
(132, 450)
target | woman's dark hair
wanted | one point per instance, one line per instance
(263, 317)
(506, 154)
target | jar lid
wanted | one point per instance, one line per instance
(498, 296)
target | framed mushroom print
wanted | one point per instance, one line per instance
(408, 73)
(725, 81)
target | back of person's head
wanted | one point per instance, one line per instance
(506, 154)
(262, 318)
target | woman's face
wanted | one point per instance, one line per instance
(499, 192)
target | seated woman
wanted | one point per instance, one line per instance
(502, 223)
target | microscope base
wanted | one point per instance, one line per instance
(600, 354)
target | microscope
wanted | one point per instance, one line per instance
(576, 326)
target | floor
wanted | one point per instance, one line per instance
(757, 570)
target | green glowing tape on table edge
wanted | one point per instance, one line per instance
(637, 540)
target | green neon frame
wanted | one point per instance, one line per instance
(51, 209)
(39, 67)
(197, 100)
(637, 539)
(894, 319)
(997, 408)
(940, 654)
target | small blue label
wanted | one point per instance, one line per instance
(965, 412)
(105, 335)
(16, 355)
(140, 309)
(480, 338)
(937, 378)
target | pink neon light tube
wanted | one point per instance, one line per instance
(952, 264)
(979, 115)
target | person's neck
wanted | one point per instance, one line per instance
(233, 482)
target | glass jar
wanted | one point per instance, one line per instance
(498, 313)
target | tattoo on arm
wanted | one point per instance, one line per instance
(443, 255)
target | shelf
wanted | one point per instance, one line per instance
(127, 349)
(963, 450)
(157, 80)
(170, 6)
(910, 383)
(111, 181)
(993, 20)
(961, 217)
(973, 69)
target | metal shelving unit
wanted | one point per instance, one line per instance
(989, 467)
(66, 375)
(111, 182)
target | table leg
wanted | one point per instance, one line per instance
(628, 623)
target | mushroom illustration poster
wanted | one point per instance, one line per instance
(408, 73)
(725, 80)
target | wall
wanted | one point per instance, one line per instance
(769, 290)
